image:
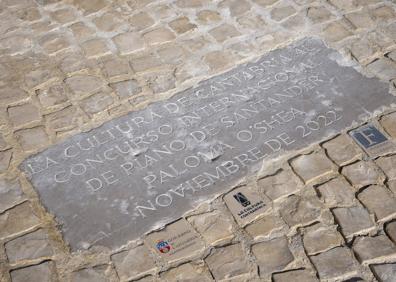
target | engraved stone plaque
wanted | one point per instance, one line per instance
(140, 171)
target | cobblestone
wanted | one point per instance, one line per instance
(10, 193)
(342, 150)
(361, 174)
(379, 201)
(353, 220)
(337, 193)
(23, 114)
(385, 272)
(369, 249)
(41, 272)
(319, 238)
(300, 275)
(96, 274)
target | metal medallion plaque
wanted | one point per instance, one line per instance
(147, 168)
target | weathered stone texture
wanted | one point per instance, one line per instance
(379, 201)
(342, 150)
(93, 274)
(337, 192)
(368, 249)
(10, 193)
(353, 220)
(187, 272)
(41, 272)
(301, 275)
(319, 238)
(361, 174)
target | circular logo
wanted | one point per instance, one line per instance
(163, 247)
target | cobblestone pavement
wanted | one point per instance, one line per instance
(68, 66)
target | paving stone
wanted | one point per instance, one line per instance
(115, 68)
(182, 25)
(23, 114)
(5, 159)
(30, 246)
(16, 44)
(126, 88)
(280, 185)
(236, 7)
(63, 119)
(266, 227)
(141, 21)
(335, 32)
(342, 150)
(392, 186)
(282, 12)
(38, 77)
(17, 219)
(300, 275)
(319, 14)
(53, 95)
(353, 221)
(313, 166)
(224, 32)
(11, 95)
(132, 263)
(363, 173)
(40, 272)
(10, 193)
(128, 42)
(81, 30)
(89, 7)
(272, 256)
(191, 3)
(379, 201)
(92, 274)
(372, 249)
(95, 48)
(335, 263)
(300, 210)
(109, 21)
(158, 36)
(63, 15)
(32, 138)
(227, 262)
(160, 81)
(337, 193)
(320, 237)
(364, 50)
(246, 204)
(388, 165)
(383, 68)
(385, 272)
(97, 103)
(145, 62)
(383, 14)
(208, 16)
(391, 230)
(251, 21)
(53, 43)
(176, 242)
(392, 55)
(214, 227)
(187, 272)
(388, 122)
(265, 3)
(172, 54)
(361, 19)
(81, 85)
(217, 60)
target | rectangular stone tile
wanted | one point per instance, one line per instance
(145, 169)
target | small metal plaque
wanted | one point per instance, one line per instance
(147, 168)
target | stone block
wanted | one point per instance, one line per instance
(133, 263)
(335, 32)
(172, 54)
(41, 272)
(95, 48)
(64, 119)
(383, 68)
(335, 263)
(182, 25)
(208, 16)
(342, 150)
(10, 193)
(383, 14)
(224, 32)
(390, 229)
(63, 16)
(39, 77)
(92, 274)
(388, 166)
(128, 42)
(28, 247)
(9, 95)
(380, 201)
(272, 256)
(127, 88)
(215, 227)
(81, 30)
(23, 114)
(313, 166)
(109, 21)
(388, 123)
(191, 3)
(265, 3)
(373, 249)
(218, 60)
(265, 227)
(54, 43)
(32, 138)
(145, 62)
(319, 14)
(82, 85)
(115, 68)
(89, 7)
(227, 262)
(299, 210)
(280, 13)
(320, 237)
(337, 193)
(363, 173)
(53, 95)
(97, 103)
(16, 220)
(158, 36)
(5, 159)
(300, 275)
(187, 272)
(385, 272)
(353, 221)
(141, 21)
(361, 19)
(236, 7)
(280, 185)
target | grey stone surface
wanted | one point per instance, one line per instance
(140, 171)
